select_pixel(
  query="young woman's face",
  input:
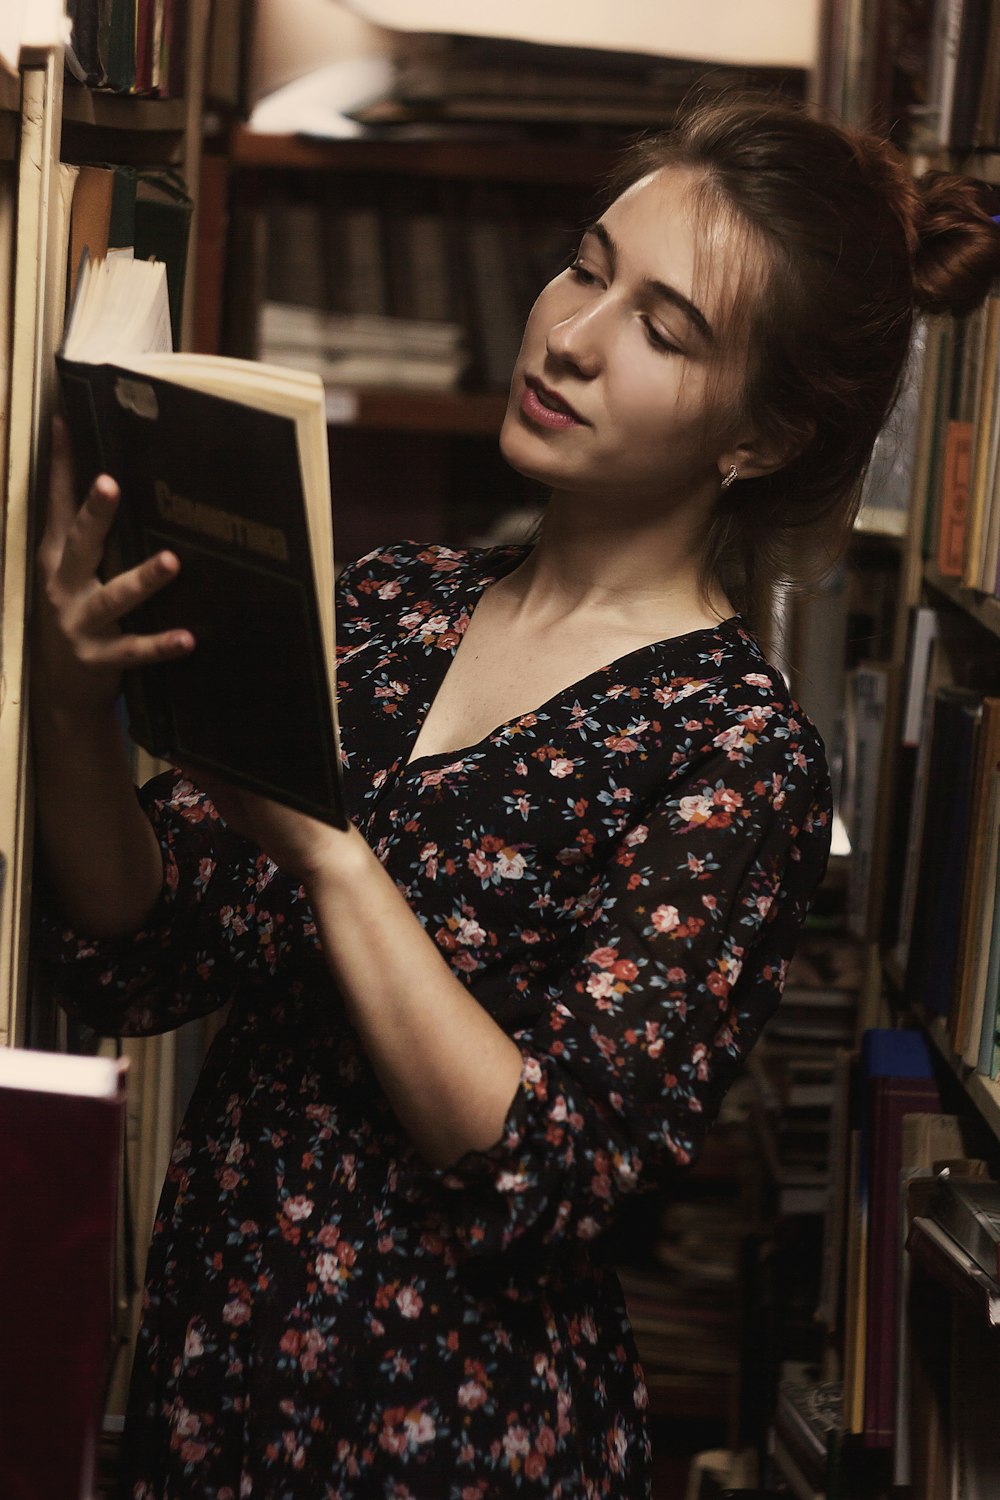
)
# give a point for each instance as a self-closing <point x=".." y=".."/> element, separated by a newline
<point x="627" y="368"/>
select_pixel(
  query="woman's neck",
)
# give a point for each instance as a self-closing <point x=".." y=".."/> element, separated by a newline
<point x="634" y="569"/>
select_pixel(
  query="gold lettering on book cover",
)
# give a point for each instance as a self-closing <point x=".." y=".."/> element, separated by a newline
<point x="210" y="520"/>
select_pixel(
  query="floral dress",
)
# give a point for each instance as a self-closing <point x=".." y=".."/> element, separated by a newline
<point x="618" y="877"/>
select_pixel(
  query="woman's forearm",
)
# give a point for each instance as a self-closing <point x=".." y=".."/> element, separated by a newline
<point x="102" y="857"/>
<point x="448" y="1069"/>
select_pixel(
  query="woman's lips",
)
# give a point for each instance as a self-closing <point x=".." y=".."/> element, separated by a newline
<point x="546" y="409"/>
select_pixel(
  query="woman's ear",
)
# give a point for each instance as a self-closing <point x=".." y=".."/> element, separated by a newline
<point x="759" y="456"/>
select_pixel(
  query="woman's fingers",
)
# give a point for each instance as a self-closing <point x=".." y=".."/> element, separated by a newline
<point x="120" y="595"/>
<point x="86" y="537"/>
<point x="123" y="651"/>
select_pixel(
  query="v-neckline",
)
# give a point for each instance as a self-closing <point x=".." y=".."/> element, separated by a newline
<point x="474" y="593"/>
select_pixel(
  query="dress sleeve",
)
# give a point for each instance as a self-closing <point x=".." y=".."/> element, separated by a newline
<point x="215" y="924"/>
<point x="636" y="1044"/>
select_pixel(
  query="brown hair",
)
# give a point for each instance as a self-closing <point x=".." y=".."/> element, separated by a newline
<point x="853" y="246"/>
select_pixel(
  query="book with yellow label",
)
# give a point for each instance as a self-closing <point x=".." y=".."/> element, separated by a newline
<point x="223" y="462"/>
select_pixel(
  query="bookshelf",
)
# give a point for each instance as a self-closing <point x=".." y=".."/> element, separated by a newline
<point x="882" y="65"/>
<point x="982" y="608"/>
<point x="45" y="117"/>
<point x="48" y="127"/>
<point x="425" y="156"/>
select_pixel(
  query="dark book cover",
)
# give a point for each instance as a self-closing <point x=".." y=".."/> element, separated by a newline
<point x="968" y="1209"/>
<point x="161" y="228"/>
<point x="83" y="53"/>
<point x="59" y="1170"/>
<point x="937" y="910"/>
<point x="121" y="46"/>
<point x="890" y="1099"/>
<point x="972" y="44"/>
<point x="218" y="483"/>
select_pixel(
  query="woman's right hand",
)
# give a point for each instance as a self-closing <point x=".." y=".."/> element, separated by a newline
<point x="80" y="648"/>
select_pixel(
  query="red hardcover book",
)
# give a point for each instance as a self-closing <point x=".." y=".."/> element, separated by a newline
<point x="61" y="1127"/>
<point x="890" y="1100"/>
<point x="955" y="479"/>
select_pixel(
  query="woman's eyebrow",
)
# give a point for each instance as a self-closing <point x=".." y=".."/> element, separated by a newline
<point x="659" y="288"/>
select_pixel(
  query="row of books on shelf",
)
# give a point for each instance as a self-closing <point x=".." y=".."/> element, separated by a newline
<point x="928" y="70"/>
<point x="397" y="283"/>
<point x="910" y="1289"/>
<point x="128" y="46"/>
<point x="958" y="470"/>
<point x="483" y="79"/>
<point x="793" y="1068"/>
<point x="921" y="800"/>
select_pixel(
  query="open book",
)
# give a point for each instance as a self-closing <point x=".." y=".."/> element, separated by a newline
<point x="224" y="462"/>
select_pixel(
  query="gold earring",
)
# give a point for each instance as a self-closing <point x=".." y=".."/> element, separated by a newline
<point x="733" y="474"/>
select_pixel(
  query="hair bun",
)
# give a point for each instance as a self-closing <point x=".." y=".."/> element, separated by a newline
<point x="957" y="244"/>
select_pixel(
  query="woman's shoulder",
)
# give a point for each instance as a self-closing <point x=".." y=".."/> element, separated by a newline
<point x="725" y="694"/>
<point x="411" y="564"/>
<point x="392" y="582"/>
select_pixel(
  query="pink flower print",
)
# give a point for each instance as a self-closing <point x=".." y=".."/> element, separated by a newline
<point x="637" y="835"/>
<point x="194" y="1345"/>
<point x="515" y="1443"/>
<point x="696" y="808"/>
<point x="409" y="1302"/>
<point x="389" y="590"/>
<point x="328" y="1268"/>
<point x="435" y="778"/>
<point x="420" y="1427"/>
<point x="187" y="1423"/>
<point x="665" y="919"/>
<point x="470" y="932"/>
<point x="235" y="1312"/>
<point x="603" y="957"/>
<point x="299" y="1207"/>
<point x="480" y="865"/>
<point x="757" y="679"/>
<point x="510" y="865"/>
<point x="600" y="985"/>
<point x="471" y="1394"/>
<point x="561" y="767"/>
<point x="623" y="743"/>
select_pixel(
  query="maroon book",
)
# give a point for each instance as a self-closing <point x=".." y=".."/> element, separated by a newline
<point x="890" y="1100"/>
<point x="60" y="1152"/>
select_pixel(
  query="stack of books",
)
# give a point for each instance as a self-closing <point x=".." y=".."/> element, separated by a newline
<point x="363" y="349"/>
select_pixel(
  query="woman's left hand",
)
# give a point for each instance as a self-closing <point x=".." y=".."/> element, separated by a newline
<point x="298" y="844"/>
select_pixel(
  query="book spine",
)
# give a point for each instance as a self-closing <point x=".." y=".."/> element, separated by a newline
<point x="955" y="481"/>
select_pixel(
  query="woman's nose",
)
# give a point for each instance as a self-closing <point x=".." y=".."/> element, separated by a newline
<point x="574" y="341"/>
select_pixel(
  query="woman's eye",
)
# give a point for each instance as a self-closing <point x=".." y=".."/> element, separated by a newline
<point x="657" y="339"/>
<point x="585" y="277"/>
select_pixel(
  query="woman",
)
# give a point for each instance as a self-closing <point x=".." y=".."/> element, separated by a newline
<point x="588" y="823"/>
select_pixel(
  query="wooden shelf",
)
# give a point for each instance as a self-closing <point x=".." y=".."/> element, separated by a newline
<point x="981" y="607"/>
<point x="85" y="106"/>
<point x="397" y="409"/>
<point x="431" y="156"/>
<point x="983" y="164"/>
<point x="983" y="1092"/>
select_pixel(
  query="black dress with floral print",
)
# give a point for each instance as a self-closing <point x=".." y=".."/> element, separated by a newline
<point x="618" y="877"/>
